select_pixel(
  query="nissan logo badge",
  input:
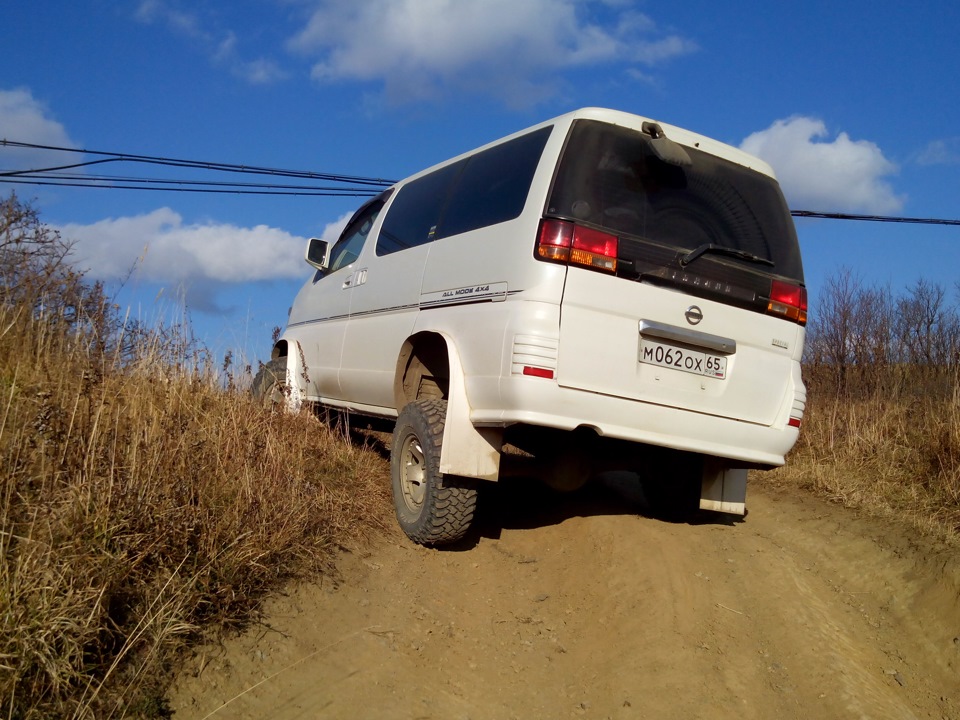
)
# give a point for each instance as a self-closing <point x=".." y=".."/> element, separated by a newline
<point x="693" y="315"/>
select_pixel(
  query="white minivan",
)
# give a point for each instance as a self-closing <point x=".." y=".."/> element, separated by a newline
<point x="600" y="291"/>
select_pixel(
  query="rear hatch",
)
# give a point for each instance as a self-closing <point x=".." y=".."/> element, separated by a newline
<point x="687" y="288"/>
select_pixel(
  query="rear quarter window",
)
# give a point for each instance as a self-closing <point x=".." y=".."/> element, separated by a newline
<point x="484" y="189"/>
<point x="494" y="185"/>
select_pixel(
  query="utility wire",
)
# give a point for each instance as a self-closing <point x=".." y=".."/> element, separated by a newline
<point x="179" y="162"/>
<point x="368" y="186"/>
<point x="872" y="218"/>
<point x="181" y="185"/>
<point x="345" y="192"/>
<point x="71" y="177"/>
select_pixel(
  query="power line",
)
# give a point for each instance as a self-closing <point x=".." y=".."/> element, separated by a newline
<point x="345" y="192"/>
<point x="872" y="218"/>
<point x="182" y="185"/>
<point x="111" y="157"/>
<point x="355" y="185"/>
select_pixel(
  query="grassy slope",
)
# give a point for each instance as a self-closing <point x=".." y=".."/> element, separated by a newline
<point x="142" y="504"/>
<point x="889" y="446"/>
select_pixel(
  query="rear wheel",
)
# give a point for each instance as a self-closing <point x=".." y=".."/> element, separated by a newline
<point x="671" y="484"/>
<point x="432" y="508"/>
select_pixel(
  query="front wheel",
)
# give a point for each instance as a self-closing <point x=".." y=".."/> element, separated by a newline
<point x="432" y="508"/>
<point x="270" y="384"/>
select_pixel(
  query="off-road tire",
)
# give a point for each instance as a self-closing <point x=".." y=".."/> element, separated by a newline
<point x="269" y="385"/>
<point x="432" y="508"/>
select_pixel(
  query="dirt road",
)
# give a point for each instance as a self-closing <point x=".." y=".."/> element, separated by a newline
<point x="580" y="605"/>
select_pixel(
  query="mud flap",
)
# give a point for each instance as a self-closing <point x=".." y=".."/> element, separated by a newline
<point x="723" y="489"/>
<point x="466" y="450"/>
<point x="296" y="377"/>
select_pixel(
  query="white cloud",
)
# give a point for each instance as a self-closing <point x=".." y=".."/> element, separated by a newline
<point x="940" y="152"/>
<point x="181" y="22"/>
<point x="841" y="175"/>
<point x="332" y="230"/>
<point x="25" y="119"/>
<point x="504" y="48"/>
<point x="222" y="45"/>
<point x="160" y="247"/>
<point x="258" y="72"/>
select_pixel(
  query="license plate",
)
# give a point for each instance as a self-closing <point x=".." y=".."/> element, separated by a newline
<point x="691" y="361"/>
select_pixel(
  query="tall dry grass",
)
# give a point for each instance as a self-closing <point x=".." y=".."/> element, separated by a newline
<point x="882" y="425"/>
<point x="142" y="502"/>
<point x="896" y="456"/>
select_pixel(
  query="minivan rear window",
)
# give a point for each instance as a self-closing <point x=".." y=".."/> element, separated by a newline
<point x="609" y="177"/>
<point x="484" y="189"/>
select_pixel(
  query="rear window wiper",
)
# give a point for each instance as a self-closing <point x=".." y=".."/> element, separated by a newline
<point x="723" y="250"/>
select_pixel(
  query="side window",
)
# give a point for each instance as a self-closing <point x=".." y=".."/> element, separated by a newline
<point x="348" y="247"/>
<point x="484" y="189"/>
<point x="493" y="188"/>
<point x="413" y="216"/>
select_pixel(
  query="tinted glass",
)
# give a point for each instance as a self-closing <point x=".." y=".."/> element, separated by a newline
<point x="354" y="235"/>
<point x="494" y="185"/>
<point x="412" y="219"/>
<point x="609" y="177"/>
<point x="487" y="188"/>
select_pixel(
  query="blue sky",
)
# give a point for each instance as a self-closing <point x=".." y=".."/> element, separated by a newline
<point x="854" y="104"/>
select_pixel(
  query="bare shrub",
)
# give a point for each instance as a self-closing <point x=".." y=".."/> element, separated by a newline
<point x="882" y="425"/>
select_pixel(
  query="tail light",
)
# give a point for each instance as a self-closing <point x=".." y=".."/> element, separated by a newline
<point x="568" y="243"/>
<point x="788" y="301"/>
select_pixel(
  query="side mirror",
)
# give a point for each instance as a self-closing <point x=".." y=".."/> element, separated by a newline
<point x="316" y="254"/>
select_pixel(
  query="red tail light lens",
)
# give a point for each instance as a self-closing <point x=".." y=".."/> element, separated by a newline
<point x="788" y="301"/>
<point x="595" y="249"/>
<point x="555" y="240"/>
<point x="565" y="242"/>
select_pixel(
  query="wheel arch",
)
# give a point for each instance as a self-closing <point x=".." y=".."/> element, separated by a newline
<point x="423" y="368"/>
<point x="429" y="366"/>
<point x="297" y="372"/>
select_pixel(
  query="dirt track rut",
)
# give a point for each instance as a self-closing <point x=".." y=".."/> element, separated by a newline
<point x="582" y="606"/>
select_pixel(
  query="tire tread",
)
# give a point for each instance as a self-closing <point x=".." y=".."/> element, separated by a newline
<point x="451" y="502"/>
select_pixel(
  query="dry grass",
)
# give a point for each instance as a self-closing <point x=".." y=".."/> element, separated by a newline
<point x="142" y="504"/>
<point x="887" y="443"/>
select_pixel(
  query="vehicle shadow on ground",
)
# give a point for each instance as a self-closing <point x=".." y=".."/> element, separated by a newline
<point x="519" y="503"/>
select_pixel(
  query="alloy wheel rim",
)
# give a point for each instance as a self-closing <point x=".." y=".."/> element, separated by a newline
<point x="412" y="473"/>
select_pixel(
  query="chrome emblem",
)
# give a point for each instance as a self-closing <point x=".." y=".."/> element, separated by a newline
<point x="693" y="315"/>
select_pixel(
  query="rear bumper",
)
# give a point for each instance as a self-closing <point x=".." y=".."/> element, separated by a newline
<point x="542" y="402"/>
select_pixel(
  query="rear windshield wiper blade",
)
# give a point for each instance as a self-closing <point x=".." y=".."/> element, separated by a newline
<point x="723" y="250"/>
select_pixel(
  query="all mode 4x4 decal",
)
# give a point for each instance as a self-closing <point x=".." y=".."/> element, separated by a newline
<point x="470" y="293"/>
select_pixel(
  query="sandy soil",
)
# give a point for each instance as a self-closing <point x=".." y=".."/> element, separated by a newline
<point x="584" y="606"/>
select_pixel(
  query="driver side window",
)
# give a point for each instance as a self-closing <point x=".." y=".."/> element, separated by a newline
<point x="347" y="248"/>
